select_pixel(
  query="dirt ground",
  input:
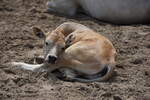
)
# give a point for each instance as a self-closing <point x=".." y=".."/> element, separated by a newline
<point x="132" y="80"/>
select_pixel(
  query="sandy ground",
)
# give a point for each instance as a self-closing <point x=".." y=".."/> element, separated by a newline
<point x="132" y="80"/>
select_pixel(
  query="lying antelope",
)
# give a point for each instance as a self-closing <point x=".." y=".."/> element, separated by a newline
<point x="116" y="11"/>
<point x="76" y="51"/>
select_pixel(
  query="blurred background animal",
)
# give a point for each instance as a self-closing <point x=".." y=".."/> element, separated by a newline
<point x="116" y="11"/>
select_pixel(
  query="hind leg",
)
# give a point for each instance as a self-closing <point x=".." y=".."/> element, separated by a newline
<point x="31" y="67"/>
<point x="66" y="7"/>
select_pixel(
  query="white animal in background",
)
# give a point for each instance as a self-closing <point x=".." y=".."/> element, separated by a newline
<point x="114" y="11"/>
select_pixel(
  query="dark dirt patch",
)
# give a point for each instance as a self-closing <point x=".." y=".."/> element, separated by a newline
<point x="16" y="41"/>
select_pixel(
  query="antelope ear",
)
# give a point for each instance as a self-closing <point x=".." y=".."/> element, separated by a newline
<point x="38" y="32"/>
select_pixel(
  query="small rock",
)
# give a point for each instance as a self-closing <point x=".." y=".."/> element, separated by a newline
<point x="39" y="60"/>
<point x="147" y="72"/>
<point x="117" y="98"/>
<point x="107" y="94"/>
<point x="29" y="46"/>
<point x="120" y="66"/>
<point x="35" y="10"/>
<point x="42" y="16"/>
<point x="137" y="61"/>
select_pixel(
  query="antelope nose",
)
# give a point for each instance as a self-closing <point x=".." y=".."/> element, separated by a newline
<point x="52" y="59"/>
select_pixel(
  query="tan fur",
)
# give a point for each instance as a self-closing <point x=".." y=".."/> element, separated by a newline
<point x="87" y="52"/>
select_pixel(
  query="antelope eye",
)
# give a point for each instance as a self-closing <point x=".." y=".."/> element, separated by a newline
<point x="63" y="48"/>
